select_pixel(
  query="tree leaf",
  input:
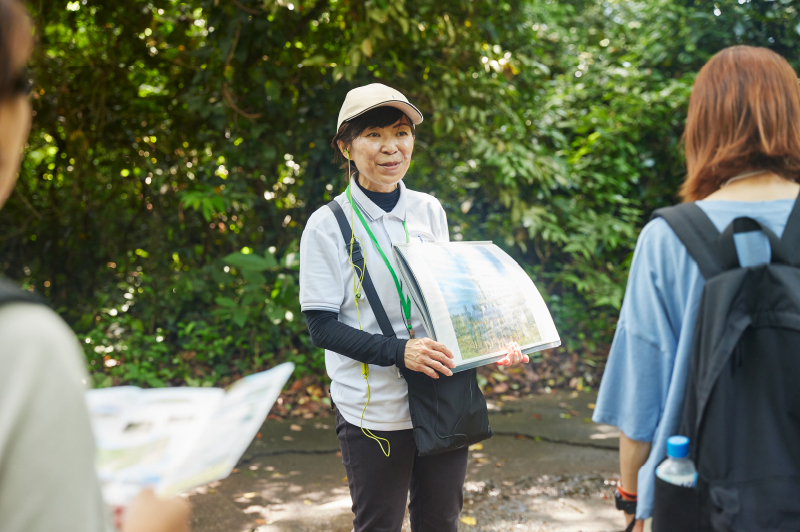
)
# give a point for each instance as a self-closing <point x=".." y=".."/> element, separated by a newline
<point x="225" y="302"/>
<point x="248" y="262"/>
<point x="239" y="317"/>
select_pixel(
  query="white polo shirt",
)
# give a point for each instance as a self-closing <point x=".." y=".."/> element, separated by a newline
<point x="326" y="283"/>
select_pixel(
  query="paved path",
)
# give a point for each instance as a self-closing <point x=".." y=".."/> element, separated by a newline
<point x="546" y="468"/>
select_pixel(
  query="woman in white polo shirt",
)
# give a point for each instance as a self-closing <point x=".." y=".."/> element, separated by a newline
<point x="375" y="140"/>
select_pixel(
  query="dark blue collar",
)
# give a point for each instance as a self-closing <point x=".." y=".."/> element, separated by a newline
<point x="384" y="200"/>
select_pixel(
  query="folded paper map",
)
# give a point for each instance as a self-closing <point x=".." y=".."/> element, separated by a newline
<point x="174" y="439"/>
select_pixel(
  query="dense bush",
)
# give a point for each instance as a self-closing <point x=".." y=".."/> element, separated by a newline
<point x="179" y="146"/>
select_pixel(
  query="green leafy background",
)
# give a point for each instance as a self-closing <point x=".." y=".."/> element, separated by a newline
<point x="179" y="146"/>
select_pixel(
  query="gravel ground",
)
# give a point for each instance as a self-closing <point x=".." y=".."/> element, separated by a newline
<point x="547" y="502"/>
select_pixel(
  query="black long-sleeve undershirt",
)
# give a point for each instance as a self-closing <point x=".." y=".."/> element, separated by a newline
<point x="329" y="333"/>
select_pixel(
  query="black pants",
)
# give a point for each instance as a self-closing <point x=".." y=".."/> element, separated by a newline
<point x="379" y="485"/>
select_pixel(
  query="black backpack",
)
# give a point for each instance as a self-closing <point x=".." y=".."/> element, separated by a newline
<point x="11" y="293"/>
<point x="742" y="404"/>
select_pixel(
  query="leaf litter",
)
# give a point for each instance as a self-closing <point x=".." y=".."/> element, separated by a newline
<point x="557" y="369"/>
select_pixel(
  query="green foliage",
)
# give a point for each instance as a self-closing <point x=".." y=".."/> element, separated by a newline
<point x="178" y="148"/>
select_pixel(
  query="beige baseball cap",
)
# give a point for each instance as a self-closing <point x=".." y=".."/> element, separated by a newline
<point x="362" y="99"/>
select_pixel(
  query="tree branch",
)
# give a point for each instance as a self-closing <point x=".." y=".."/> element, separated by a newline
<point x="229" y="99"/>
<point x="234" y="43"/>
<point x="27" y="204"/>
<point x="225" y="92"/>
<point x="244" y="8"/>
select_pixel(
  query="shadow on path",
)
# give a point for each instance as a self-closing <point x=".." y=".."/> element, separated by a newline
<point x="547" y="468"/>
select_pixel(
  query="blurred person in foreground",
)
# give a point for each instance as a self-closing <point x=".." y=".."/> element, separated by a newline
<point x="47" y="476"/>
<point x="742" y="144"/>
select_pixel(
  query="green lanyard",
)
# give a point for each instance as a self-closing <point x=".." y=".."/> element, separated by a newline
<point x="405" y="301"/>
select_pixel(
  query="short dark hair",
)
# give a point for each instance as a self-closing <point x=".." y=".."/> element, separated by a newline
<point x="350" y="130"/>
<point x="12" y="18"/>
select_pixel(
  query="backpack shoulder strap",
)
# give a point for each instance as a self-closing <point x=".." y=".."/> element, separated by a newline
<point x="358" y="259"/>
<point x="791" y="235"/>
<point x="697" y="232"/>
<point x="11" y="293"/>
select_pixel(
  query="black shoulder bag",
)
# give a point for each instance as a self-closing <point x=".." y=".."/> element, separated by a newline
<point x="447" y="413"/>
<point x="11" y="293"/>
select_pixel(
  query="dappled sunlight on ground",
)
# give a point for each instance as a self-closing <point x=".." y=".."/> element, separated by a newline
<point x="546" y="468"/>
<point x="605" y="432"/>
<point x="267" y="494"/>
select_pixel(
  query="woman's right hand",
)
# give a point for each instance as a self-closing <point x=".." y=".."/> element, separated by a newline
<point x="428" y="356"/>
<point x="148" y="513"/>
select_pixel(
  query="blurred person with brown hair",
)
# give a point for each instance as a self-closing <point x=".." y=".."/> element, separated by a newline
<point x="742" y="145"/>
<point x="47" y="476"/>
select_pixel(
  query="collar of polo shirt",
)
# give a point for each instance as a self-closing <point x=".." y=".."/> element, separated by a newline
<point x="372" y="211"/>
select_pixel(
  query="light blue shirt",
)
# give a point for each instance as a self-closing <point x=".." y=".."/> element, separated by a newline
<point x="643" y="386"/>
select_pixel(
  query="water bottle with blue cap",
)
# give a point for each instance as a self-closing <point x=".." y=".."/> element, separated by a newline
<point x="678" y="469"/>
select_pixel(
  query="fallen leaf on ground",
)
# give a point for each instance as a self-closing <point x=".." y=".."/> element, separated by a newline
<point x="574" y="413"/>
<point x="250" y="495"/>
<point x="591" y="405"/>
<point x="537" y="416"/>
<point x="499" y="464"/>
<point x="344" y="479"/>
<point x="482" y="460"/>
<point x="520" y="437"/>
<point x="476" y="447"/>
<point x="469" y="520"/>
<point x="500" y="388"/>
<point x="295" y="427"/>
<point x="307" y="502"/>
<point x="261" y="521"/>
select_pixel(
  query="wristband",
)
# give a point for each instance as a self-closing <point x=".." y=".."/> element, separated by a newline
<point x="628" y="496"/>
<point x="627" y="506"/>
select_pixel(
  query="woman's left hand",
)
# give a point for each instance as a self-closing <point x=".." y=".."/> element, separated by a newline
<point x="514" y="356"/>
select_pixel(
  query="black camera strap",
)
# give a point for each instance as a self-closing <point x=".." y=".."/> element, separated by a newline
<point x="11" y="293"/>
<point x="358" y="260"/>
